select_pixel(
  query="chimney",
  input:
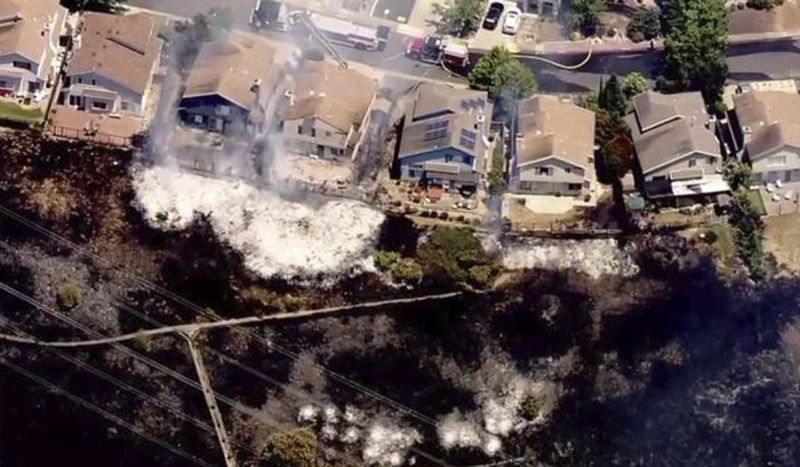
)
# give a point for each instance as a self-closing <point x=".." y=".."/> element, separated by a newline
<point x="289" y="95"/>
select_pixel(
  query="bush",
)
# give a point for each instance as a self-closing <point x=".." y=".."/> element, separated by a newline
<point x="68" y="296"/>
<point x="384" y="260"/>
<point x="761" y="4"/>
<point x="406" y="271"/>
<point x="294" y="448"/>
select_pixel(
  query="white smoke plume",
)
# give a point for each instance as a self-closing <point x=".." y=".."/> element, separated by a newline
<point x="388" y="445"/>
<point x="277" y="237"/>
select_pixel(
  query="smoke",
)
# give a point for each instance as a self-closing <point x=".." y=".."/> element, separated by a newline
<point x="388" y="445"/>
<point x="276" y="237"/>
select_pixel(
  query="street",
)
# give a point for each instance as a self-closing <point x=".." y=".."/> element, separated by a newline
<point x="769" y="59"/>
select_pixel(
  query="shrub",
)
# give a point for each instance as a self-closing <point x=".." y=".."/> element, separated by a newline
<point x="68" y="296"/>
<point x="645" y="25"/>
<point x="406" y="271"/>
<point x="294" y="448"/>
<point x="384" y="260"/>
<point x="761" y="4"/>
<point x="450" y="254"/>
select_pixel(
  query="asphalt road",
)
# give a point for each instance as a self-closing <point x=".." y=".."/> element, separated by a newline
<point x="778" y="59"/>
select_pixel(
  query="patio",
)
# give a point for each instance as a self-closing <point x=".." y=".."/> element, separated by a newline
<point x="118" y="130"/>
<point x="780" y="198"/>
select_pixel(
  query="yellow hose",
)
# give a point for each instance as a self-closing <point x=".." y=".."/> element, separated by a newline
<point x="559" y="65"/>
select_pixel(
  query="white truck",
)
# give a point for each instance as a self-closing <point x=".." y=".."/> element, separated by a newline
<point x="343" y="32"/>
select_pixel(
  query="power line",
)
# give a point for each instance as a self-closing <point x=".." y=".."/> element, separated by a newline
<point x="102" y="412"/>
<point x="214" y="316"/>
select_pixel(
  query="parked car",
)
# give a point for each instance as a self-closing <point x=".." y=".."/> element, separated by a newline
<point x="512" y="22"/>
<point x="493" y="16"/>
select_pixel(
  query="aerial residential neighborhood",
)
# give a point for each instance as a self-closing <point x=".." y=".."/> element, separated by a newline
<point x="317" y="233"/>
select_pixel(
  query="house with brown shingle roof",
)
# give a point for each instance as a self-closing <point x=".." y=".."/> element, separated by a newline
<point x="113" y="65"/>
<point x="677" y="150"/>
<point x="445" y="137"/>
<point x="229" y="85"/>
<point x="555" y="149"/>
<point x="769" y="127"/>
<point x="29" y="48"/>
<point x="326" y="110"/>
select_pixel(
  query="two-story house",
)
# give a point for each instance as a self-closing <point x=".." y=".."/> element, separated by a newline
<point x="769" y="129"/>
<point x="555" y="149"/>
<point x="444" y="140"/>
<point x="677" y="151"/>
<point x="229" y="85"/>
<point x="326" y="110"/>
<point x="115" y="59"/>
<point x="29" y="47"/>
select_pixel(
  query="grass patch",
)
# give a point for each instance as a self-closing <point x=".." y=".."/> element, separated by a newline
<point x="720" y="237"/>
<point x="497" y="181"/>
<point x="12" y="111"/>
<point x="757" y="201"/>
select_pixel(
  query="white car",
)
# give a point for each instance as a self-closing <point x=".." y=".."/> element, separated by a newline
<point x="512" y="22"/>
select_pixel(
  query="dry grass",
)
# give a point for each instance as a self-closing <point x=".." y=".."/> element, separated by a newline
<point x="749" y="21"/>
<point x="782" y="235"/>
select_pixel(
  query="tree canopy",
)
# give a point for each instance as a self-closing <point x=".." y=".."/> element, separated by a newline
<point x="584" y="15"/>
<point x="453" y="255"/>
<point x="459" y="18"/>
<point x="645" y="25"/>
<point x="615" y="147"/>
<point x="694" y="48"/>
<point x="632" y="84"/>
<point x="611" y="99"/>
<point x="503" y="76"/>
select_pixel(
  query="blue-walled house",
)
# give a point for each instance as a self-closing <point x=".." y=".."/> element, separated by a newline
<point x="228" y="86"/>
<point x="444" y="137"/>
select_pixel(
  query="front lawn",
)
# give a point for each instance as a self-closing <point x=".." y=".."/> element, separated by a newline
<point x="10" y="110"/>
<point x="757" y="201"/>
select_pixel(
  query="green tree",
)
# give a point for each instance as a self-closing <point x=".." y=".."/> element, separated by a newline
<point x="749" y="232"/>
<point x="615" y="147"/>
<point x="739" y="176"/>
<point x="645" y="25"/>
<point x="384" y="260"/>
<point x="584" y="15"/>
<point x="460" y="18"/>
<point x="407" y="271"/>
<point x="611" y="97"/>
<point x="91" y="5"/>
<point x="503" y="76"/>
<point x="450" y="254"/>
<point x="694" y="48"/>
<point x="294" y="448"/>
<point x="633" y="84"/>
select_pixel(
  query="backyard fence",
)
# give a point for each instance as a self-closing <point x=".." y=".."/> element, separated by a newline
<point x="96" y="137"/>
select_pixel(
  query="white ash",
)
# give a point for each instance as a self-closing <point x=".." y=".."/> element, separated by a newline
<point x="596" y="257"/>
<point x="387" y="445"/>
<point x="277" y="237"/>
<point x="307" y="414"/>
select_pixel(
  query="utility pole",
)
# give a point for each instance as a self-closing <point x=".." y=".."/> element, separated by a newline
<point x="211" y="401"/>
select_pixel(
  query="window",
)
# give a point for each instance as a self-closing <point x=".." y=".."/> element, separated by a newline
<point x="313" y="132"/>
<point x="711" y="160"/>
<point x="544" y="171"/>
<point x="223" y="110"/>
<point x="776" y="160"/>
<point x="658" y="178"/>
<point x="467" y="139"/>
<point x="280" y="126"/>
<point x="94" y="82"/>
<point x="692" y="162"/>
<point x="3" y="84"/>
<point x="197" y="119"/>
<point x="436" y="130"/>
<point x="412" y="173"/>
<point x="327" y="134"/>
<point x="23" y="65"/>
<point x="99" y="105"/>
<point x="525" y="186"/>
<point x="568" y="170"/>
<point x="299" y="129"/>
<point x="80" y="80"/>
<point x="574" y="186"/>
<point x="72" y="100"/>
<point x="123" y="105"/>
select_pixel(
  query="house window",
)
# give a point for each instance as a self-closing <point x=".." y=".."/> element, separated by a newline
<point x="574" y="186"/>
<point x="313" y="132"/>
<point x="776" y="160"/>
<point x="94" y="82"/>
<point x="327" y="134"/>
<point x="80" y="80"/>
<point x="299" y="129"/>
<point x="525" y="186"/>
<point x="223" y="110"/>
<point x="568" y="170"/>
<point x="544" y="171"/>
<point x="3" y="84"/>
<point x="72" y="100"/>
<point x="658" y="178"/>
<point x="412" y="173"/>
<point x="23" y="65"/>
<point x="123" y="105"/>
<point x="280" y="126"/>
<point x="197" y="119"/>
<point x="692" y="162"/>
<point x="711" y="160"/>
<point x="99" y="105"/>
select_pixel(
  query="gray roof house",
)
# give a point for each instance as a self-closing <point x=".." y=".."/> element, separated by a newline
<point x="29" y="33"/>
<point x="769" y="123"/>
<point x="677" y="150"/>
<point x="444" y="136"/>
<point x="555" y="149"/>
